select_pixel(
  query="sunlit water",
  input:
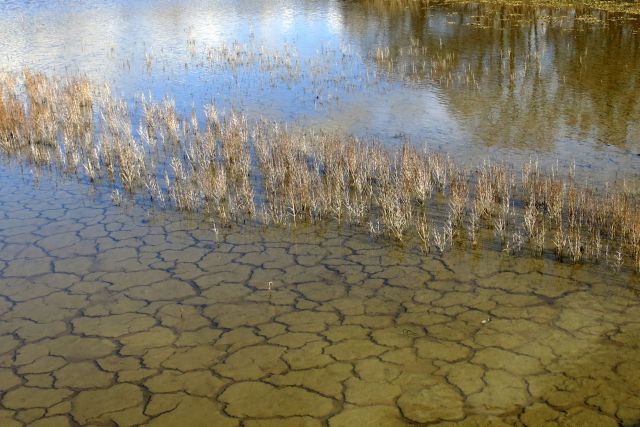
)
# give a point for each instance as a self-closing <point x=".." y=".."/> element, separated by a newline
<point x="517" y="82"/>
<point x="116" y="315"/>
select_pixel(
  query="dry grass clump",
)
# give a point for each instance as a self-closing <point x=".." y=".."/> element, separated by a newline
<point x="396" y="207"/>
<point x="292" y="187"/>
<point x="459" y="193"/>
<point x="233" y="171"/>
<point x="42" y="94"/>
<point x="123" y="154"/>
<point x="309" y="176"/>
<point x="12" y="115"/>
<point x="236" y="158"/>
<point x="39" y="114"/>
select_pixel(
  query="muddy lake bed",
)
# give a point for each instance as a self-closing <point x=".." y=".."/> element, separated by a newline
<point x="120" y="309"/>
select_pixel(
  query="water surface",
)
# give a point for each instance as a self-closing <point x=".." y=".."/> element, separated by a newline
<point x="111" y="315"/>
<point x="121" y="315"/>
<point x="472" y="80"/>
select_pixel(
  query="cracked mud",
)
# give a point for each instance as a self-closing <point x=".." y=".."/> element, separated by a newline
<point x="109" y="316"/>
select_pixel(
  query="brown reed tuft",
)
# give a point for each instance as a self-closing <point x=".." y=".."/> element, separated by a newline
<point x="233" y="170"/>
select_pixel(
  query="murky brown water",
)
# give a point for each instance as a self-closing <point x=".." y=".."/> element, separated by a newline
<point x="114" y="315"/>
<point x="109" y="315"/>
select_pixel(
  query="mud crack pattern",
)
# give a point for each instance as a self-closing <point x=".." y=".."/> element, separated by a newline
<point x="111" y="316"/>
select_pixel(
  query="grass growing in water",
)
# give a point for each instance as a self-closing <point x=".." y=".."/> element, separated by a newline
<point x="265" y="172"/>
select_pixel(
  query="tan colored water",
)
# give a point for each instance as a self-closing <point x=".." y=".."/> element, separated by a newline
<point x="112" y="316"/>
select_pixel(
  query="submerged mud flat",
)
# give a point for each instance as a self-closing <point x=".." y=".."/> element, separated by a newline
<point x="111" y="315"/>
<point x="135" y="314"/>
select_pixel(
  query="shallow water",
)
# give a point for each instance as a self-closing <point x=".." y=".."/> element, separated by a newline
<point x="124" y="315"/>
<point x="516" y="81"/>
<point x="112" y="315"/>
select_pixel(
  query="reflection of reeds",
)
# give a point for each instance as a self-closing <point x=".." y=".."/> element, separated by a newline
<point x="232" y="170"/>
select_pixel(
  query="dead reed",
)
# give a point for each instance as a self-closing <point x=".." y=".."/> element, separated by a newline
<point x="265" y="172"/>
